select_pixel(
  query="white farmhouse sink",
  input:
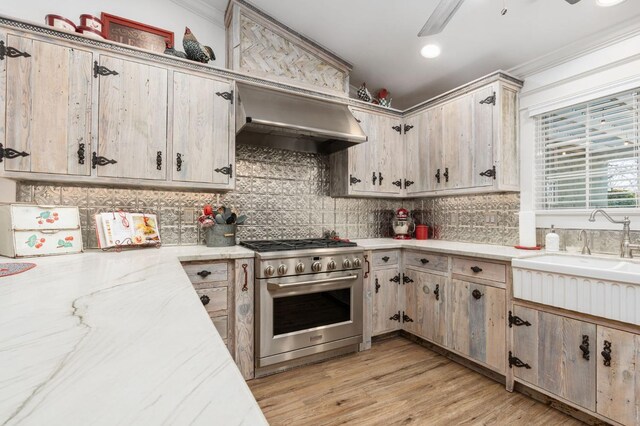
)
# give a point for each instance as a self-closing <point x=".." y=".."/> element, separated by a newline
<point x="604" y="287"/>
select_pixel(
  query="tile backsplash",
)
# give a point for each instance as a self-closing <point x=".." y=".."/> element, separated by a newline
<point x="600" y="241"/>
<point x="285" y="194"/>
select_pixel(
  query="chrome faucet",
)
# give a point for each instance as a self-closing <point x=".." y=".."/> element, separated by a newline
<point x="585" y="246"/>
<point x="626" y="248"/>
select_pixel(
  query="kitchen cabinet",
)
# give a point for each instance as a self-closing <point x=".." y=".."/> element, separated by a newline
<point x="476" y="322"/>
<point x="45" y="105"/>
<point x="424" y="302"/>
<point x="556" y="353"/>
<point x="203" y="147"/>
<point x="464" y="143"/>
<point x="132" y="123"/>
<point x="225" y="289"/>
<point x="618" y="375"/>
<point x="372" y="168"/>
<point x="386" y="313"/>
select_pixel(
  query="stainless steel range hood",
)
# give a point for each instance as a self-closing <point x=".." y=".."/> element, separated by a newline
<point x="295" y="122"/>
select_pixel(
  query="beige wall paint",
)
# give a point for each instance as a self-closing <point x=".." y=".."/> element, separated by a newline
<point x="7" y="190"/>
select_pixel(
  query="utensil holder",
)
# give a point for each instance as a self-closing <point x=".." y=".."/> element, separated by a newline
<point x="221" y="235"/>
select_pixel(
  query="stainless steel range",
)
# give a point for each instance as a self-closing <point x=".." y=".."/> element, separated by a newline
<point x="308" y="301"/>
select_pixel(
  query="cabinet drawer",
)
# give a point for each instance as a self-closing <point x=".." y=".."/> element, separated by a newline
<point x="433" y="262"/>
<point x="385" y="258"/>
<point x="479" y="269"/>
<point x="214" y="300"/>
<point x="44" y="217"/>
<point x="221" y="324"/>
<point x="47" y="242"/>
<point x="200" y="273"/>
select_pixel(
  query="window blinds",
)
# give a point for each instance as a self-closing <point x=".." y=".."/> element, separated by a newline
<point x="588" y="155"/>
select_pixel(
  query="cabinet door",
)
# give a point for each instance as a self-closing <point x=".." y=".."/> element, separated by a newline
<point x="552" y="346"/>
<point x="48" y="108"/>
<point x="619" y="380"/>
<point x="389" y="156"/>
<point x="477" y="325"/>
<point x="481" y="149"/>
<point x="457" y="139"/>
<point x="361" y="156"/>
<point x="415" y="147"/>
<point x="424" y="303"/>
<point x="385" y="300"/>
<point x="132" y="123"/>
<point x="435" y="149"/>
<point x="201" y="138"/>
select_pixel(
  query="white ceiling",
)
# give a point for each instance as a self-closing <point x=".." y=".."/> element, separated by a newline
<point x="379" y="37"/>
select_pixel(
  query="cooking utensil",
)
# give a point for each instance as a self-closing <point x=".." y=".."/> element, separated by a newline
<point x="220" y="220"/>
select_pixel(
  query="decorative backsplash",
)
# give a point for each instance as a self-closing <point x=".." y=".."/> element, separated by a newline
<point x="285" y="194"/>
<point x="600" y="241"/>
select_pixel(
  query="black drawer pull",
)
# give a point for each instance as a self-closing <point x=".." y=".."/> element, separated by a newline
<point x="377" y="285"/>
<point x="606" y="354"/>
<point x="584" y="347"/>
<point x="205" y="299"/>
<point x="204" y="273"/>
<point x="476" y="269"/>
<point x="424" y="261"/>
<point x="437" y="291"/>
<point x="385" y="258"/>
<point x="476" y="294"/>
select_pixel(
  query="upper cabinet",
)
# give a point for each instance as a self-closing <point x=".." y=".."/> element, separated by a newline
<point x="73" y="112"/>
<point x="46" y="110"/>
<point x="464" y="144"/>
<point x="373" y="168"/>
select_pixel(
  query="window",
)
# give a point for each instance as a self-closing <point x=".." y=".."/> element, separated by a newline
<point x="588" y="155"/>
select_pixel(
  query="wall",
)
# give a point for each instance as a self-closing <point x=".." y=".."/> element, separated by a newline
<point x="286" y="195"/>
<point x="159" y="13"/>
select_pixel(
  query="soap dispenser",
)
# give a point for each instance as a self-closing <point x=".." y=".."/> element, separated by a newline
<point x="552" y="241"/>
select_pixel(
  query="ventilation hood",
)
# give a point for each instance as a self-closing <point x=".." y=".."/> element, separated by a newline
<point x="295" y="122"/>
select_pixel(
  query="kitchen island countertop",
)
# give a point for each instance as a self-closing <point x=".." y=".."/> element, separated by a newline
<point x="116" y="338"/>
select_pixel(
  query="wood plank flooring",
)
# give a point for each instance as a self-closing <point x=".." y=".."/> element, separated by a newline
<point x="397" y="382"/>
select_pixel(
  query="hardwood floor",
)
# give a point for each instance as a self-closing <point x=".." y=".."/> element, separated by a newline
<point x="396" y="382"/>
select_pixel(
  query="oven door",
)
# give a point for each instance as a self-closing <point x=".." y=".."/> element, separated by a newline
<point x="304" y="311"/>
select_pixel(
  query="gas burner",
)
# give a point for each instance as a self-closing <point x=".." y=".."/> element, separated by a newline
<point x="287" y="245"/>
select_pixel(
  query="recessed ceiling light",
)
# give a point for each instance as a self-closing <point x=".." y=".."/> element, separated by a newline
<point x="430" y="51"/>
<point x="607" y="3"/>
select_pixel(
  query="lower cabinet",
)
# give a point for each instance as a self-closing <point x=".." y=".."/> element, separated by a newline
<point x="425" y="297"/>
<point x="589" y="365"/>
<point x="477" y="322"/>
<point x="225" y="289"/>
<point x="386" y="310"/>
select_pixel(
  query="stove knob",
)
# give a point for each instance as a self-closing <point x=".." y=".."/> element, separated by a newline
<point x="331" y="265"/>
<point x="357" y="263"/>
<point x="316" y="267"/>
<point x="346" y="264"/>
<point x="282" y="269"/>
<point x="268" y="271"/>
<point x="300" y="268"/>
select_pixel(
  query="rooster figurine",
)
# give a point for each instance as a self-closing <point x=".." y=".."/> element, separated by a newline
<point x="196" y="51"/>
<point x="173" y="52"/>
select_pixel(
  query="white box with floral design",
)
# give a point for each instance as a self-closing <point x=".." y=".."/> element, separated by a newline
<point x="32" y="230"/>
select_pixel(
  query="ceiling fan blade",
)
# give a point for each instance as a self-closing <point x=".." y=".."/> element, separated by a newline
<point x="572" y="1"/>
<point x="441" y="15"/>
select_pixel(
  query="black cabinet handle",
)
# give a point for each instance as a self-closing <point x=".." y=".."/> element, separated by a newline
<point x="204" y="273"/>
<point x="379" y="178"/>
<point x="397" y="183"/>
<point x="11" y="52"/>
<point x="366" y="260"/>
<point x="205" y="299"/>
<point x="377" y="285"/>
<point x="606" y="354"/>
<point x="437" y="291"/>
<point x="395" y="317"/>
<point x="424" y="261"/>
<point x="225" y="170"/>
<point x="97" y="160"/>
<point x="385" y="258"/>
<point x="353" y="180"/>
<point x="489" y="173"/>
<point x="101" y="70"/>
<point x="245" y="286"/>
<point x="408" y="183"/>
<point x="476" y="294"/>
<point x="80" y="153"/>
<point x="10" y="153"/>
<point x="476" y="269"/>
<point x="584" y="347"/>
<point x="159" y="160"/>
<point x="374" y="178"/>
<point x="178" y="162"/>
<point x="446" y="174"/>
<point x="438" y="175"/>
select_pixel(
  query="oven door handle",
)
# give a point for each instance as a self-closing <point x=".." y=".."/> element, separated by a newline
<point x="276" y="286"/>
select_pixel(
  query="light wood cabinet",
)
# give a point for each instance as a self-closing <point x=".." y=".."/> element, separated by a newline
<point x="424" y="303"/>
<point x="47" y="111"/>
<point x="202" y="141"/>
<point x="477" y="323"/>
<point x="465" y="143"/>
<point x="225" y="289"/>
<point x="132" y="123"/>
<point x="618" y="375"/>
<point x="386" y="300"/>
<point x="373" y="168"/>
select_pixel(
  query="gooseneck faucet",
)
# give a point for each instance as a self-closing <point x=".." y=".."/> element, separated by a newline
<point x="585" y="239"/>
<point x="626" y="248"/>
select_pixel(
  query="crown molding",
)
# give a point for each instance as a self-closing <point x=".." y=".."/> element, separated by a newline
<point x="610" y="36"/>
<point x="204" y="10"/>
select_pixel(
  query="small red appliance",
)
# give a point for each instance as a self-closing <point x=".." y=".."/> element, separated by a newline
<point x="403" y="226"/>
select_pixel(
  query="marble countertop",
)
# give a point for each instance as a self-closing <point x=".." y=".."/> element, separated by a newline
<point x="485" y="251"/>
<point x="116" y="338"/>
